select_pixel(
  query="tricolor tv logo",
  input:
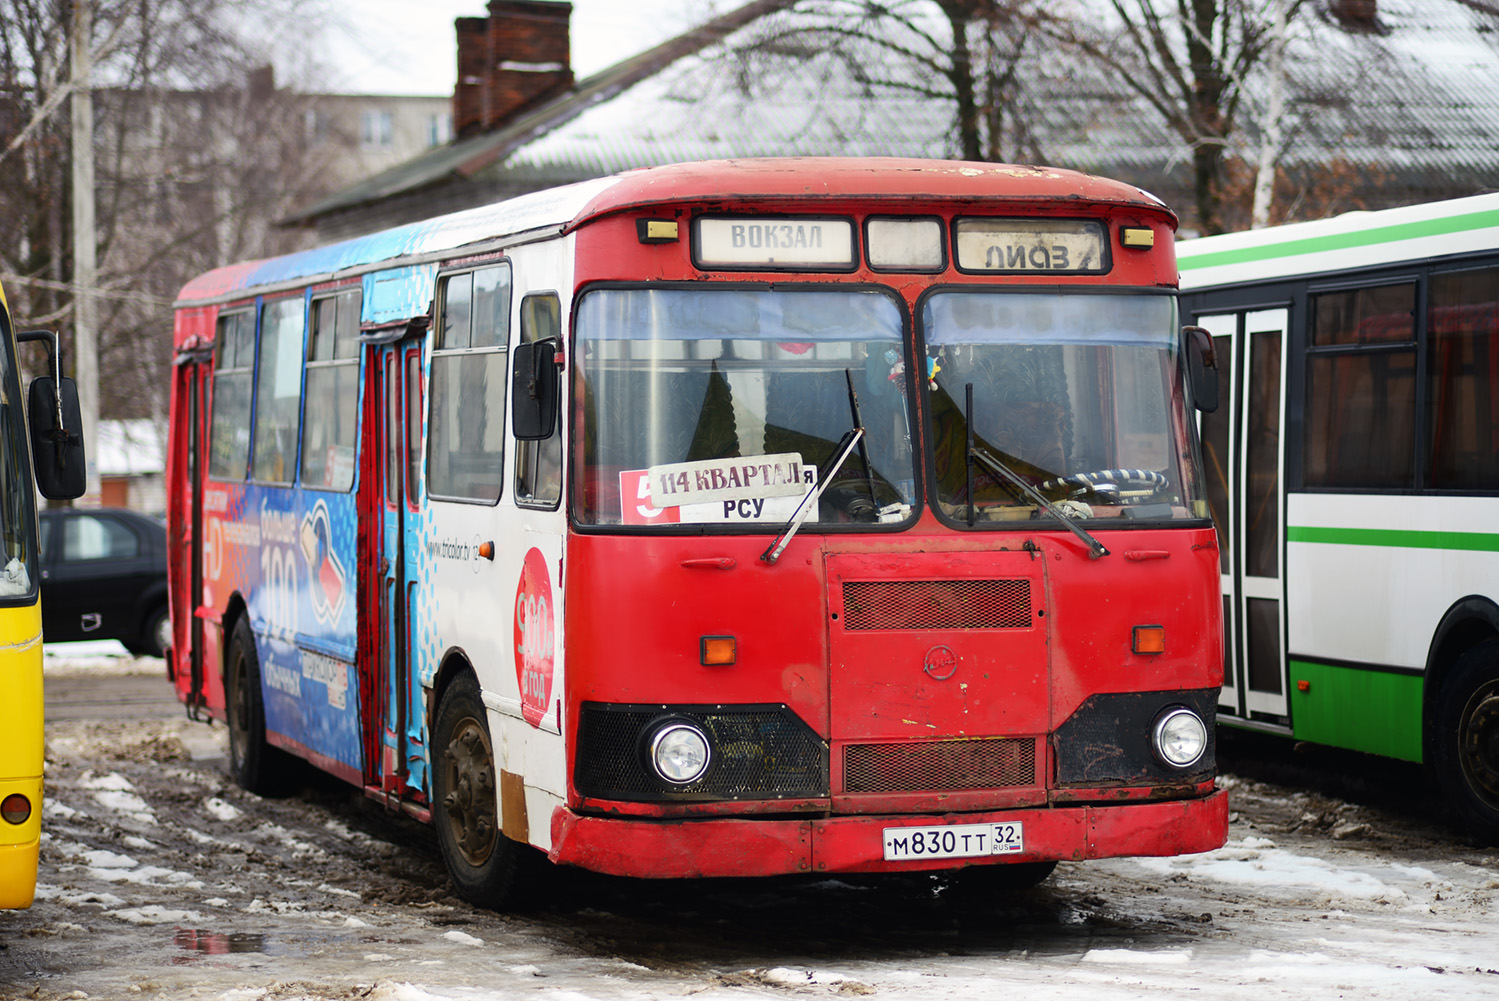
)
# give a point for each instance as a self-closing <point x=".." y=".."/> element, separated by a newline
<point x="325" y="573"/>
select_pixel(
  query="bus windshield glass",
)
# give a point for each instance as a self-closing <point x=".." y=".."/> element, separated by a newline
<point x="16" y="577"/>
<point x="1079" y="395"/>
<point x="715" y="407"/>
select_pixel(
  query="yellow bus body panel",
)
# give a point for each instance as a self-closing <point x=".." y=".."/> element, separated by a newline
<point x="21" y="750"/>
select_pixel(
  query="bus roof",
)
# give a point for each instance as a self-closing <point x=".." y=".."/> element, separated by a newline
<point x="557" y="210"/>
<point x="1353" y="240"/>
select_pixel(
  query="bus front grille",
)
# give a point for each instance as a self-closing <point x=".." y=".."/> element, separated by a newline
<point x="936" y="604"/>
<point x="940" y="765"/>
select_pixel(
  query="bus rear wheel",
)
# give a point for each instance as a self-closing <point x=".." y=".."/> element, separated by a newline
<point x="255" y="764"/>
<point x="488" y="869"/>
<point x="1466" y="753"/>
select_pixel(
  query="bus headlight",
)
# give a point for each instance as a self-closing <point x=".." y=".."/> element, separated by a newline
<point x="1179" y="737"/>
<point x="15" y="808"/>
<point x="680" y="753"/>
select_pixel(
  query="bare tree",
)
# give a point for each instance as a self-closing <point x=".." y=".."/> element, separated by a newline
<point x="196" y="152"/>
<point x="966" y="55"/>
<point x="1189" y="60"/>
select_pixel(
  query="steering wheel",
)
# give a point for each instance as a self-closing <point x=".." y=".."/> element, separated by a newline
<point x="1109" y="481"/>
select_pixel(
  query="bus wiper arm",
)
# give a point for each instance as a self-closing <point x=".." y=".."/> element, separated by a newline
<point x="989" y="462"/>
<point x="998" y="468"/>
<point x="825" y="476"/>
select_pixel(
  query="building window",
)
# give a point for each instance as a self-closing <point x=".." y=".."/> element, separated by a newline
<point x="376" y="130"/>
<point x="439" y="129"/>
<point x="316" y="126"/>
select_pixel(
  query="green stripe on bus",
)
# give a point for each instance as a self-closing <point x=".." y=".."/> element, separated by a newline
<point x="1345" y="241"/>
<point x="1486" y="542"/>
<point x="1378" y="712"/>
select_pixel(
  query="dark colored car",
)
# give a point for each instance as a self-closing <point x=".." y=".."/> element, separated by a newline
<point x="104" y="577"/>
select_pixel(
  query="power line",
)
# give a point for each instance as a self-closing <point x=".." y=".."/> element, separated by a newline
<point x="10" y="278"/>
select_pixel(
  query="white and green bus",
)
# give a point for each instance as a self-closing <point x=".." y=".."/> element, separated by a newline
<point x="1354" y="482"/>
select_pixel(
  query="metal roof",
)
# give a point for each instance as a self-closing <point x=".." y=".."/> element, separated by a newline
<point x="1411" y="99"/>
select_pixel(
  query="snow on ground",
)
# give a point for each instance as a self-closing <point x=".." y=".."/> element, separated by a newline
<point x="161" y="879"/>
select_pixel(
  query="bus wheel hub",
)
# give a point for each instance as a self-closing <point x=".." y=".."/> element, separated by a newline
<point x="1480" y="744"/>
<point x="470" y="803"/>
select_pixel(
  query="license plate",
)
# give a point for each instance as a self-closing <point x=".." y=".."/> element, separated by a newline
<point x="953" y="841"/>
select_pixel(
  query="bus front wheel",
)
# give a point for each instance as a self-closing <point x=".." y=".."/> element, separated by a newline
<point x="1466" y="752"/>
<point x="255" y="764"/>
<point x="488" y="869"/>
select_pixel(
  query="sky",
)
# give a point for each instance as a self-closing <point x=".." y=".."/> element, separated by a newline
<point x="408" y="46"/>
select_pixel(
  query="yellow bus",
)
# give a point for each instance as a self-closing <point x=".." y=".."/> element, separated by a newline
<point x="52" y="413"/>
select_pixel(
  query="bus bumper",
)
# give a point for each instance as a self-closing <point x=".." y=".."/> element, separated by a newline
<point x="18" y="874"/>
<point x="675" y="849"/>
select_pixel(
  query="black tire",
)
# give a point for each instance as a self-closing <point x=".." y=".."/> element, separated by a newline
<point x="978" y="881"/>
<point x="1465" y="735"/>
<point x="489" y="869"/>
<point x="255" y="764"/>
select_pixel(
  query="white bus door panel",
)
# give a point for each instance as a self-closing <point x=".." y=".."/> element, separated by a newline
<point x="1217" y="430"/>
<point x="1244" y="453"/>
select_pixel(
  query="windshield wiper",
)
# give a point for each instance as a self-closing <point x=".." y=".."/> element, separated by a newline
<point x="809" y="502"/>
<point x="993" y="465"/>
<point x="825" y="473"/>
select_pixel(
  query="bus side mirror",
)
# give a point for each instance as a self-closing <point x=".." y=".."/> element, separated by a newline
<point x="534" y="390"/>
<point x="56" y="449"/>
<point x="1202" y="368"/>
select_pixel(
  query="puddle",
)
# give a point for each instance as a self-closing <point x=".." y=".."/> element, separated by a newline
<point x="217" y="943"/>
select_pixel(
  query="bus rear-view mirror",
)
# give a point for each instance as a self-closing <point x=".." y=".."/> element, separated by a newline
<point x="57" y="438"/>
<point x="534" y="390"/>
<point x="1202" y="368"/>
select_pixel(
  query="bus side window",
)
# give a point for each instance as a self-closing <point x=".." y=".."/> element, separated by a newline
<point x="234" y="367"/>
<point x="1361" y="388"/>
<point x="278" y="390"/>
<point x="538" y="464"/>
<point x="328" y="425"/>
<point x="466" y="420"/>
<point x="1462" y="399"/>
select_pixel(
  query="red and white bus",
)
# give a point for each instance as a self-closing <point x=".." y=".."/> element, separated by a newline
<point x="717" y="519"/>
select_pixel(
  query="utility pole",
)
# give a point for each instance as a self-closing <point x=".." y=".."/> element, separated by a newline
<point x="85" y="245"/>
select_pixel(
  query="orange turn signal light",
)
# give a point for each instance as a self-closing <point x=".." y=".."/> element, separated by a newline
<point x="716" y="651"/>
<point x="1149" y="639"/>
<point x="486" y="550"/>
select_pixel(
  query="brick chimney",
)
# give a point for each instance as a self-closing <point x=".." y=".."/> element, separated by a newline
<point x="510" y="61"/>
<point x="1356" y="14"/>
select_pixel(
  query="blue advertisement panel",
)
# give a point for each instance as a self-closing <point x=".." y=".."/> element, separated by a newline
<point x="290" y="553"/>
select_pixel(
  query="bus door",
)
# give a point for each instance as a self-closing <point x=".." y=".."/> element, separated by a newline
<point x="401" y="733"/>
<point x="186" y="553"/>
<point x="1244" y="454"/>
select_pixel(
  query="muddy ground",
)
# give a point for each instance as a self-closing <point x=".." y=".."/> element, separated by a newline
<point x="1343" y="878"/>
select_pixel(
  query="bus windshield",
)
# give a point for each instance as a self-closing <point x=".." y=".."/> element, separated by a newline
<point x="1079" y="395"/>
<point x="689" y="376"/>
<point x="16" y="577"/>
